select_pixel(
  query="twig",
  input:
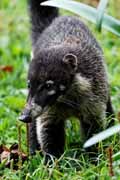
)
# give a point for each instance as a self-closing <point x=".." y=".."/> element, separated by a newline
<point x="119" y="116"/>
<point x="19" y="145"/>
<point x="110" y="152"/>
<point x="27" y="138"/>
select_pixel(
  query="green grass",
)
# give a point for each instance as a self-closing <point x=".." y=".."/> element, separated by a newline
<point x="15" y="47"/>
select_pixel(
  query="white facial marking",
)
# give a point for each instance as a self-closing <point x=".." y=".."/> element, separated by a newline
<point x="36" y="110"/>
<point x="52" y="92"/>
<point x="62" y="87"/>
<point x="49" y="82"/>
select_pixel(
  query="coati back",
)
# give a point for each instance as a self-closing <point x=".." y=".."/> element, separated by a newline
<point x="67" y="77"/>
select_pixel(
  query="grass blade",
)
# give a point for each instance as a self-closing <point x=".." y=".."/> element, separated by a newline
<point x="102" y="135"/>
<point x="116" y="156"/>
<point x="101" y="8"/>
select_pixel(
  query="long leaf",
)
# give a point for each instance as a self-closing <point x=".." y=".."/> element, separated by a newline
<point x="88" y="12"/>
<point x="100" y="14"/>
<point x="102" y="135"/>
<point x="116" y="156"/>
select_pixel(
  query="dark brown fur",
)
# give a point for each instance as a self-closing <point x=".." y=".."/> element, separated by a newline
<point x="64" y="53"/>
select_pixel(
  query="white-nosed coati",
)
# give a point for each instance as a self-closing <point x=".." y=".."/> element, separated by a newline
<point x="67" y="77"/>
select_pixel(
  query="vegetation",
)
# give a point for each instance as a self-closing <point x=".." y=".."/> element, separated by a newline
<point x="95" y="15"/>
<point x="15" y="50"/>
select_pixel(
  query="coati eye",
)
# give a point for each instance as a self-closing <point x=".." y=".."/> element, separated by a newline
<point x="49" y="84"/>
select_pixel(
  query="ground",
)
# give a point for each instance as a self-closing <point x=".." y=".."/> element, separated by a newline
<point x="15" y="47"/>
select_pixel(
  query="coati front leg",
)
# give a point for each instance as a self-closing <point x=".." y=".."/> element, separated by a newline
<point x="92" y="120"/>
<point x="33" y="142"/>
<point x="51" y="135"/>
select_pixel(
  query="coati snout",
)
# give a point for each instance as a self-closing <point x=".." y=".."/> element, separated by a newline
<point x="31" y="111"/>
<point x="45" y="90"/>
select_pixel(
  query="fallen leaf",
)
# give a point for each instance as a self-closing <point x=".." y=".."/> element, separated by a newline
<point x="6" y="68"/>
<point x="11" y="154"/>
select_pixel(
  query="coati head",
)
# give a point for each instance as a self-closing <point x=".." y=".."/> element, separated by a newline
<point x="50" y="75"/>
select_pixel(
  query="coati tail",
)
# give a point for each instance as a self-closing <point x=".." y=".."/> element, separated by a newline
<point x="40" y="17"/>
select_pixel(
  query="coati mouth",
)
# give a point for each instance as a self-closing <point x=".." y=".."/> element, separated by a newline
<point x="30" y="112"/>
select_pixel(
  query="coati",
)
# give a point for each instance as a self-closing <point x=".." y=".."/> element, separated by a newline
<point x="67" y="77"/>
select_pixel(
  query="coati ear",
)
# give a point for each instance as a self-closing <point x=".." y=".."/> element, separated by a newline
<point x="70" y="60"/>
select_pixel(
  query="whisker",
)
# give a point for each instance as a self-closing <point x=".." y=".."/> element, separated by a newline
<point x="70" y="103"/>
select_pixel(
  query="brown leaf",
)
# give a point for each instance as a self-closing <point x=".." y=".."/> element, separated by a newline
<point x="3" y="148"/>
<point x="11" y="154"/>
<point x="7" y="68"/>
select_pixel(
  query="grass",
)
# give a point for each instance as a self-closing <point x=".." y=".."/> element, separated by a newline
<point x="15" y="49"/>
